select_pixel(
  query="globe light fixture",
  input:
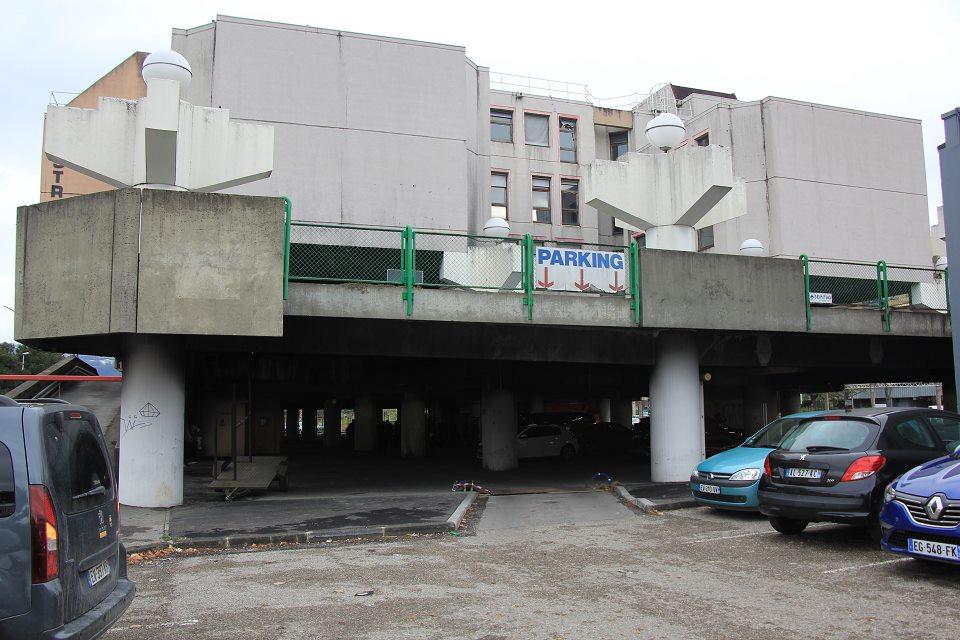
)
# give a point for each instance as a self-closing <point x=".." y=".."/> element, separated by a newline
<point x="751" y="247"/>
<point x="168" y="65"/>
<point x="666" y="131"/>
<point x="496" y="227"/>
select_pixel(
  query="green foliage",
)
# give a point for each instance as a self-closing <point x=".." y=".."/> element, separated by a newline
<point x="35" y="361"/>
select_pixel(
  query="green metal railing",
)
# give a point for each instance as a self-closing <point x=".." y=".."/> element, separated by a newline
<point x="870" y="285"/>
<point x="411" y="259"/>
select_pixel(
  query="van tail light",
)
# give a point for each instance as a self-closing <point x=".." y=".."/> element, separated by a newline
<point x="863" y="468"/>
<point x="767" y="471"/>
<point x="43" y="535"/>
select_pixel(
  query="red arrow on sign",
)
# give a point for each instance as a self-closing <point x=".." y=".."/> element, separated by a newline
<point x="583" y="286"/>
<point x="616" y="287"/>
<point x="545" y="283"/>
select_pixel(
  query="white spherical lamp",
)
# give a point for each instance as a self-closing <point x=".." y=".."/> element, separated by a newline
<point x="751" y="247"/>
<point x="941" y="263"/>
<point x="168" y="65"/>
<point x="666" y="131"/>
<point x="496" y="227"/>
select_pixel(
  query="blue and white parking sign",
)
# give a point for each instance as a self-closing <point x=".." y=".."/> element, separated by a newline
<point x="558" y="269"/>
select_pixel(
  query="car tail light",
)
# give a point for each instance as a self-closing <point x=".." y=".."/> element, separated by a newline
<point x="863" y="468"/>
<point x="43" y="535"/>
<point x="767" y="471"/>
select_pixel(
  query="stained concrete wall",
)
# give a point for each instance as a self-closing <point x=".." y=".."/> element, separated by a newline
<point x="690" y="290"/>
<point x="150" y="262"/>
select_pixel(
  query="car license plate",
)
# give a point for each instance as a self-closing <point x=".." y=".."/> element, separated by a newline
<point x="796" y="472"/>
<point x="98" y="573"/>
<point x="934" y="549"/>
<point x="709" y="488"/>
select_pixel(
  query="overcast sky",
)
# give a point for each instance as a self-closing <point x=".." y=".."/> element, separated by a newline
<point x="888" y="57"/>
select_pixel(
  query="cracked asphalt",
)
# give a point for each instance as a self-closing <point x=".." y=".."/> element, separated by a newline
<point x="556" y="566"/>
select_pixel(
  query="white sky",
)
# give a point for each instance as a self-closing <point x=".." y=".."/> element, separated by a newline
<point x="888" y="57"/>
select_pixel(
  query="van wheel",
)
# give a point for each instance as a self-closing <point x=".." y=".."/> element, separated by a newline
<point x="568" y="452"/>
<point x="788" y="526"/>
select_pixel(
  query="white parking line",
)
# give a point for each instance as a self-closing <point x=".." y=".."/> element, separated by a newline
<point x="701" y="539"/>
<point x="867" y="566"/>
<point x="158" y="625"/>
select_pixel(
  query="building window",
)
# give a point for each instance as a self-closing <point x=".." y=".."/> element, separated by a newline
<point x="568" y="140"/>
<point x="536" y="128"/>
<point x="704" y="238"/>
<point x="570" y="202"/>
<point x="541" y="199"/>
<point x="501" y="125"/>
<point x="618" y="144"/>
<point x="703" y="140"/>
<point x="498" y="195"/>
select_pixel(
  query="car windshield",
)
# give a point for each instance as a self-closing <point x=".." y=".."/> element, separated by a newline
<point x="819" y="436"/>
<point x="771" y="435"/>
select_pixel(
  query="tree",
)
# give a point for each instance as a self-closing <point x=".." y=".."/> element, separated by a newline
<point x="35" y="361"/>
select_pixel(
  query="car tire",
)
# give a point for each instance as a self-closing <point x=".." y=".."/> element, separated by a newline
<point x="788" y="526"/>
<point x="568" y="452"/>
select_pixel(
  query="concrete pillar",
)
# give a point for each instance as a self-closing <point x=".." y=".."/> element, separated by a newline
<point x="366" y="420"/>
<point x="151" y="423"/>
<point x="536" y="404"/>
<point x="621" y="411"/>
<point x="498" y="428"/>
<point x="673" y="236"/>
<point x="309" y="423"/>
<point x="760" y="405"/>
<point x="789" y="401"/>
<point x="413" y="427"/>
<point x="605" y="410"/>
<point x="331" y="424"/>
<point x="676" y="429"/>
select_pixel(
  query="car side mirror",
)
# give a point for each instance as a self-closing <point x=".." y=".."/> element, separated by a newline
<point x="956" y="452"/>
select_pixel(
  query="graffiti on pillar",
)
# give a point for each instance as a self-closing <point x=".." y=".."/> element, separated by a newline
<point x="139" y="420"/>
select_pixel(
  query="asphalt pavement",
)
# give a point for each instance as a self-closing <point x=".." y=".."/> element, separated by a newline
<point x="555" y="566"/>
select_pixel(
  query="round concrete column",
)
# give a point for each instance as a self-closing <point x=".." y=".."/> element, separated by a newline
<point x="413" y="427"/>
<point x="676" y="427"/>
<point x="366" y="420"/>
<point x="789" y="401"/>
<point x="621" y="411"/>
<point x="605" y="410"/>
<point x="674" y="236"/>
<point x="151" y="423"/>
<point x="331" y="424"/>
<point x="498" y="428"/>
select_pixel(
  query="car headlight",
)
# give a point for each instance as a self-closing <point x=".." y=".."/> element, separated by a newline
<point x="889" y="493"/>
<point x="747" y="474"/>
<point x="695" y="472"/>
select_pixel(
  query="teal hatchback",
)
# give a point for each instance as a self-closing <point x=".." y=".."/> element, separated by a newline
<point x="729" y="479"/>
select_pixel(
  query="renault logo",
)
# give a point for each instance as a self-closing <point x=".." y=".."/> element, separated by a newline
<point x="934" y="507"/>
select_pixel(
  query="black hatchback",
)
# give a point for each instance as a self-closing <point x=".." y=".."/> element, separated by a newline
<point x="834" y="468"/>
<point x="63" y="571"/>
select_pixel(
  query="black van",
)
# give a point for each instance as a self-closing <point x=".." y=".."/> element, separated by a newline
<point x="64" y="571"/>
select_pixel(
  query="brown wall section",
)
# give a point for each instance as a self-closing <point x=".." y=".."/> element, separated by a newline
<point x="124" y="81"/>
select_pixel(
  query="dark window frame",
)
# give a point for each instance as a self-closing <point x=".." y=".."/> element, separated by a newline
<point x="615" y="144"/>
<point x="702" y="140"/>
<point x="564" y="182"/>
<point x="506" y="193"/>
<point x="536" y="114"/>
<point x="504" y="112"/>
<point x="575" y="122"/>
<point x="535" y="210"/>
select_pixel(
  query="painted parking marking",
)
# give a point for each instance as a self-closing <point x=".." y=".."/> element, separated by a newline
<point x="700" y="539"/>
<point x="158" y="625"/>
<point x="857" y="567"/>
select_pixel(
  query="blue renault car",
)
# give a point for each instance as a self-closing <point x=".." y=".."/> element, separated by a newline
<point x="729" y="479"/>
<point x="921" y="511"/>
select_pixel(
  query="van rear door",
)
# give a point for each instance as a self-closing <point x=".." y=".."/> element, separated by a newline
<point x="85" y="496"/>
<point x="14" y="516"/>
